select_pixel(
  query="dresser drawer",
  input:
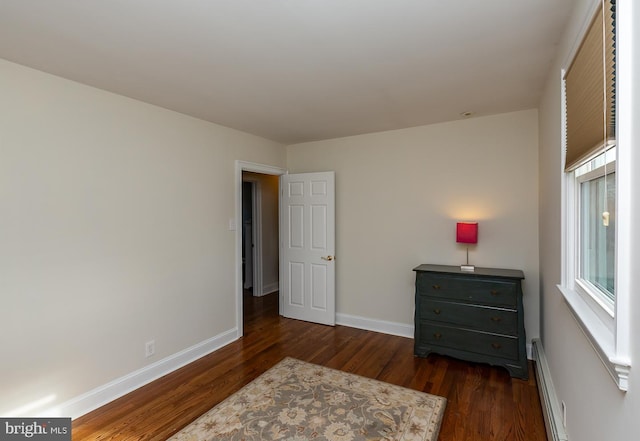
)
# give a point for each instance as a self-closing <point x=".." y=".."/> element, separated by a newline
<point x="488" y="292"/>
<point x="499" y="346"/>
<point x="483" y="318"/>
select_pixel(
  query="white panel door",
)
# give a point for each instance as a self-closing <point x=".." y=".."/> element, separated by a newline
<point x="307" y="249"/>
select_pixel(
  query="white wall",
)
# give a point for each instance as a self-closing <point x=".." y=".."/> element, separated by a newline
<point x="114" y="230"/>
<point x="400" y="193"/>
<point x="596" y="408"/>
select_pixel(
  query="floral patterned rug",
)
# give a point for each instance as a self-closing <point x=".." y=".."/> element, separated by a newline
<point x="298" y="401"/>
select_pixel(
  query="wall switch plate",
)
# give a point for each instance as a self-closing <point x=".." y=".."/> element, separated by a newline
<point x="232" y="224"/>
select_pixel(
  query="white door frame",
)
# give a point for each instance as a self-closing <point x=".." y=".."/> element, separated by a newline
<point x="256" y="168"/>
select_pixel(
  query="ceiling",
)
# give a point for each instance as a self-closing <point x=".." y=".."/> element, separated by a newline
<point x="297" y="70"/>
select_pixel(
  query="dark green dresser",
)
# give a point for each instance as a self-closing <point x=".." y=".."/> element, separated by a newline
<point x="475" y="316"/>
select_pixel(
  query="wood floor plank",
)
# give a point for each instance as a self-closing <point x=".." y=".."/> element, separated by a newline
<point x="484" y="403"/>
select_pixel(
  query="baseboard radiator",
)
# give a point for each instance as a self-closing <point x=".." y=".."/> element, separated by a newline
<point x="548" y="398"/>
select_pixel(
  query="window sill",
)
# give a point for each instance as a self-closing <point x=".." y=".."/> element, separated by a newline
<point x="600" y="336"/>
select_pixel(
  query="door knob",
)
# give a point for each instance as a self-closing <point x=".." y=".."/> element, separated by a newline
<point x="329" y="258"/>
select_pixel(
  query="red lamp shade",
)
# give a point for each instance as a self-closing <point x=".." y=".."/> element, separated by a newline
<point x="467" y="232"/>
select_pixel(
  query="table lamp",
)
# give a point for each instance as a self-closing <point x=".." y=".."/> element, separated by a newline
<point x="467" y="232"/>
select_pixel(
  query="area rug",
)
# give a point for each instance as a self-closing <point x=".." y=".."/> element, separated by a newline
<point x="298" y="401"/>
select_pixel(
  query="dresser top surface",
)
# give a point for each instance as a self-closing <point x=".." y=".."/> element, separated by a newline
<point x="479" y="271"/>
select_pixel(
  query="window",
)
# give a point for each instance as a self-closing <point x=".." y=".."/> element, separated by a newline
<point x="596" y="214"/>
<point x="596" y="191"/>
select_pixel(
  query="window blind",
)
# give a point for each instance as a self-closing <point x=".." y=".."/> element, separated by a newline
<point x="590" y="86"/>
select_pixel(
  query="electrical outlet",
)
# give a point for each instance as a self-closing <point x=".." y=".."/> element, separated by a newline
<point x="149" y="348"/>
<point x="564" y="415"/>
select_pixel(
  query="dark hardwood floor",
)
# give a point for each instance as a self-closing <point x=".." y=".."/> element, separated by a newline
<point x="484" y="403"/>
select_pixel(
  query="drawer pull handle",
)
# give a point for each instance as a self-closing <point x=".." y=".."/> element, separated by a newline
<point x="435" y="286"/>
<point x="437" y="335"/>
<point x="496" y="319"/>
<point x="496" y="345"/>
<point x="436" y="311"/>
<point x="495" y="293"/>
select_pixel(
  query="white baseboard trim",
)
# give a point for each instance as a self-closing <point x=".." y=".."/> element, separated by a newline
<point x="115" y="389"/>
<point x="548" y="398"/>
<point x="392" y="328"/>
<point x="270" y="287"/>
<point x="106" y="393"/>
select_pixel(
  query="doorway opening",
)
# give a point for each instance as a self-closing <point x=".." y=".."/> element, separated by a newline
<point x="248" y="234"/>
<point x="257" y="237"/>
<point x="260" y="254"/>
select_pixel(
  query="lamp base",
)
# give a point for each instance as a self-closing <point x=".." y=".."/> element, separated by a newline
<point x="467" y="268"/>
